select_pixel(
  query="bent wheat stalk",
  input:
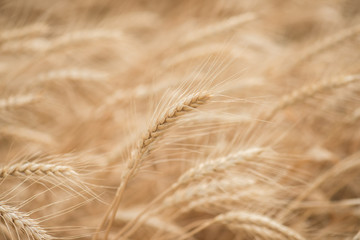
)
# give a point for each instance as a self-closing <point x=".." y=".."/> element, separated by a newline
<point x="21" y="222"/>
<point x="161" y="124"/>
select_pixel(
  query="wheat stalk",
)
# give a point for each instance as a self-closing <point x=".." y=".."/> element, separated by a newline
<point x="155" y="130"/>
<point x="28" y="31"/>
<point x="217" y="28"/>
<point x="21" y="222"/>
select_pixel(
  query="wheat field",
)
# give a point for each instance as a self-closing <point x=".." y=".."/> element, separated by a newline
<point x="193" y="119"/>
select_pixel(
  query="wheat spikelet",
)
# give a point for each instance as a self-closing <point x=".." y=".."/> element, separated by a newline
<point x="240" y="218"/>
<point x="37" y="169"/>
<point x="227" y="24"/>
<point x="216" y="166"/>
<point x="28" y="31"/>
<point x="18" y="101"/>
<point x="222" y="201"/>
<point x="309" y="91"/>
<point x="22" y="223"/>
<point x="155" y="130"/>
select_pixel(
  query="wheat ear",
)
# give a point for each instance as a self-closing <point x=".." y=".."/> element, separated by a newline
<point x="28" y="31"/>
<point x="326" y="43"/>
<point x="21" y="222"/>
<point x="225" y="25"/>
<point x="239" y="218"/>
<point x="38" y="169"/>
<point x="161" y="124"/>
<point x="204" y="190"/>
<point x="206" y="169"/>
<point x="18" y="101"/>
<point x="309" y="91"/>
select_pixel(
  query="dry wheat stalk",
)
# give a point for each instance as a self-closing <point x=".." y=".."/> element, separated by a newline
<point x="155" y="130"/>
<point x="22" y="223"/>
<point x="311" y="90"/>
<point x="217" y="28"/>
<point x="250" y="219"/>
<point x="37" y="169"/>
<point x="28" y="31"/>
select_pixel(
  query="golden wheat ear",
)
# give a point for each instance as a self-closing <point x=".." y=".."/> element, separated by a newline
<point x="251" y="223"/>
<point x="156" y="129"/>
<point x="20" y="225"/>
<point x="204" y="170"/>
